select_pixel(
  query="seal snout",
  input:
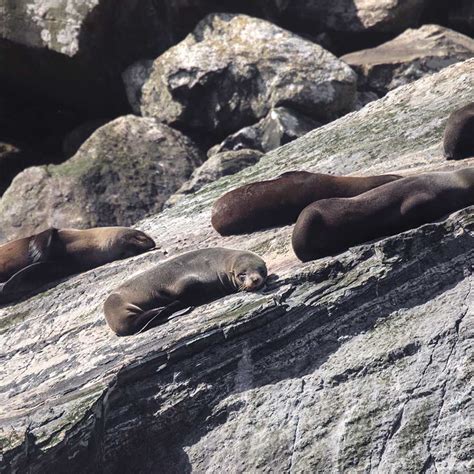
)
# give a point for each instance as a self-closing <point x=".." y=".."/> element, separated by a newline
<point x="253" y="281"/>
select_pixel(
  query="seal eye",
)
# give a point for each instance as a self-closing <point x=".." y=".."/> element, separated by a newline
<point x="241" y="277"/>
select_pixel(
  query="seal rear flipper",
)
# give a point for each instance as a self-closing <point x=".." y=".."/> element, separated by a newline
<point x="39" y="247"/>
<point x="153" y="317"/>
<point x="24" y="281"/>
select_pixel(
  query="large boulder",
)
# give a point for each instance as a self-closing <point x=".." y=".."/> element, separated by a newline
<point x="126" y="170"/>
<point x="233" y="69"/>
<point x="360" y="362"/>
<point x="356" y="15"/>
<point x="281" y="125"/>
<point x="413" y="54"/>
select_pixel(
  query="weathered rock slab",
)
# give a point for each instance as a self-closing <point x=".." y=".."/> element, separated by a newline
<point x="358" y="362"/>
<point x="410" y="56"/>
<point x="126" y="170"/>
<point x="232" y="69"/>
<point x="281" y="126"/>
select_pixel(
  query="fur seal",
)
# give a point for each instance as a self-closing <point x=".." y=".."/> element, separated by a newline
<point x="332" y="225"/>
<point x="185" y="281"/>
<point x="279" y="201"/>
<point x="458" y="139"/>
<point x="54" y="253"/>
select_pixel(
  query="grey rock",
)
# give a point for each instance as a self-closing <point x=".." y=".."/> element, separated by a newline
<point x="233" y="69"/>
<point x="14" y="159"/>
<point x="126" y="170"/>
<point x="356" y="15"/>
<point x="222" y="164"/>
<point x="408" y="57"/>
<point x="76" y="137"/>
<point x="134" y="77"/>
<point x="280" y="126"/>
<point x="361" y="362"/>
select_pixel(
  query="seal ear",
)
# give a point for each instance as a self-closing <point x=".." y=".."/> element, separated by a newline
<point x="41" y="244"/>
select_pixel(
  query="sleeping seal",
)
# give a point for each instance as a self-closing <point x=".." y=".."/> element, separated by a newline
<point x="188" y="280"/>
<point x="332" y="225"/>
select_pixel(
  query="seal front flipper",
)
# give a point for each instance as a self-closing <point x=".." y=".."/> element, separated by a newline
<point x="156" y="316"/>
<point x="39" y="247"/>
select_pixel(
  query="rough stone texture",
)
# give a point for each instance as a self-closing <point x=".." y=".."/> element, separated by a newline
<point x="360" y="362"/>
<point x="14" y="159"/>
<point x="76" y="137"/>
<point x="408" y="57"/>
<point x="222" y="164"/>
<point x="126" y="170"/>
<point x="233" y="69"/>
<point x="356" y="15"/>
<point x="279" y="127"/>
<point x="134" y="77"/>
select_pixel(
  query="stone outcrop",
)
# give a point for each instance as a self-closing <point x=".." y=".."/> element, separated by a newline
<point x="358" y="362"/>
<point x="125" y="171"/>
<point x="232" y="69"/>
<point x="221" y="164"/>
<point x="410" y="56"/>
<point x="279" y="127"/>
<point x="356" y="15"/>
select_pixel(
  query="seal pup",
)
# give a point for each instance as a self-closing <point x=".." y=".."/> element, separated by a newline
<point x="30" y="262"/>
<point x="458" y="139"/>
<point x="279" y="201"/>
<point x="332" y="225"/>
<point x="185" y="281"/>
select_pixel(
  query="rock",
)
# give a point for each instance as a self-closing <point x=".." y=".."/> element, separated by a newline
<point x="14" y="159"/>
<point x="134" y="77"/>
<point x="356" y="15"/>
<point x="280" y="126"/>
<point x="233" y="69"/>
<point x="408" y="57"/>
<point x="221" y="164"/>
<point x="358" y="362"/>
<point x="126" y="170"/>
<point x="76" y="137"/>
<point x="364" y="98"/>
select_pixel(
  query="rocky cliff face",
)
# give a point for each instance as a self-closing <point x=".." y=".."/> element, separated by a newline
<point x="360" y="362"/>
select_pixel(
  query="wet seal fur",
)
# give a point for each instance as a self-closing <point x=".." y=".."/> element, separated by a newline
<point x="332" y="225"/>
<point x="190" y="279"/>
<point x="28" y="263"/>
<point x="279" y="201"/>
<point x="458" y="139"/>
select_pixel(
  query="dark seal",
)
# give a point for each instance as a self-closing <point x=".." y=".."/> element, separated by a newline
<point x="30" y="262"/>
<point x="185" y="281"/>
<point x="458" y="140"/>
<point x="332" y="225"/>
<point x="279" y="201"/>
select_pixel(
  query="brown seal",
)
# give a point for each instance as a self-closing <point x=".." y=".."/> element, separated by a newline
<point x="332" y="225"/>
<point x="279" y="201"/>
<point x="54" y="253"/>
<point x="185" y="281"/>
<point x="458" y="140"/>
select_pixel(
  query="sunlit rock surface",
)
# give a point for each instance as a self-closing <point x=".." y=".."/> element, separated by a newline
<point x="360" y="362"/>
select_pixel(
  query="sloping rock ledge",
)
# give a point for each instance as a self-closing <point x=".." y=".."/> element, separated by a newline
<point x="360" y="362"/>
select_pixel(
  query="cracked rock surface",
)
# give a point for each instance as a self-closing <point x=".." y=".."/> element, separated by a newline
<point x="410" y="56"/>
<point x="232" y="69"/>
<point x="361" y="362"/>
